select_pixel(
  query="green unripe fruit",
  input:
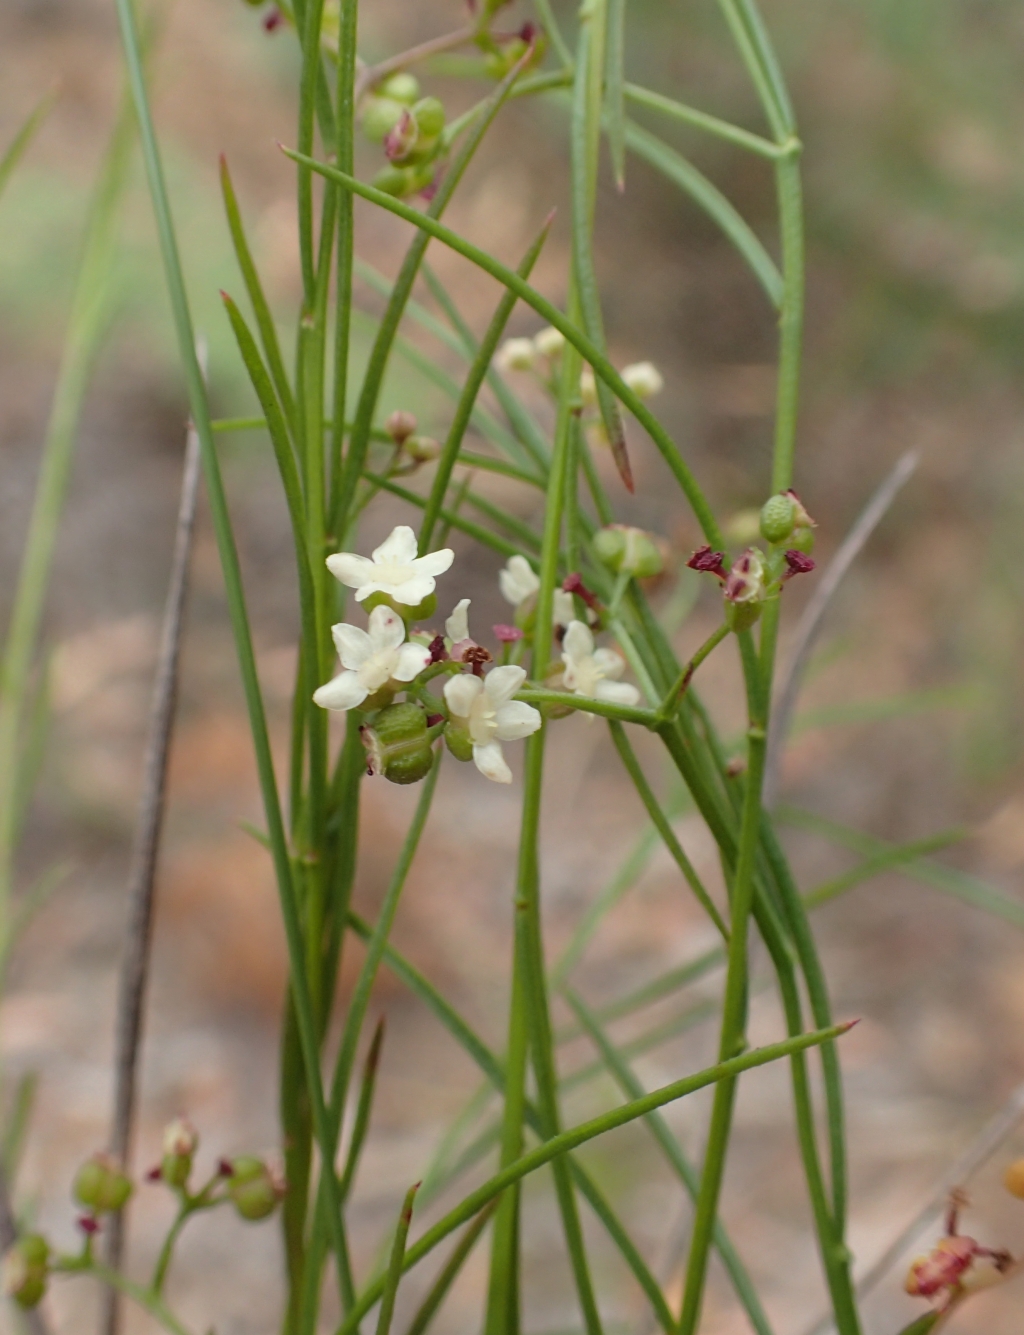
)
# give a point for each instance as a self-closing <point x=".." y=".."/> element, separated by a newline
<point x="381" y="116"/>
<point x="778" y="518"/>
<point x="251" y="1188"/>
<point x="741" y="616"/>
<point x="397" y="745"/>
<point x="403" y="181"/>
<point x="401" y="87"/>
<point x="34" y="1248"/>
<point x="101" y="1186"/>
<point x="430" y="117"/>
<point x="622" y="548"/>
<point x="458" y="742"/>
<point x="801" y="540"/>
<point x="25" y="1270"/>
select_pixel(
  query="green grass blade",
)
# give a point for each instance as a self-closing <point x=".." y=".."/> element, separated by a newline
<point x="428" y="1309"/>
<point x="395" y="1266"/>
<point x="15" y="150"/>
<point x="602" y="367"/>
<point x="474" y="382"/>
<point x="579" y="1135"/>
<point x="887" y="859"/>
<point x="261" y="309"/>
<point x="17" y="1124"/>
<point x="614" y="90"/>
<point x="700" y="120"/>
<point x="362" y="1119"/>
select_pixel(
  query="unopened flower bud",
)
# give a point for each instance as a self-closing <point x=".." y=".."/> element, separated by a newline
<point x="623" y="548"/>
<point x="516" y="354"/>
<point x="397" y="745"/>
<point x="549" y="343"/>
<point x="1013" y="1179"/>
<point x="403" y="87"/>
<point x="101" y="1185"/>
<point x="380" y="117"/>
<point x="588" y="386"/>
<point x="422" y="448"/>
<point x="180" y="1141"/>
<point x="778" y="518"/>
<point x="506" y="634"/>
<point x="252" y="1188"/>
<point x="23" y="1275"/>
<point x="430" y="117"/>
<point x="400" y="426"/>
<point x="644" y="379"/>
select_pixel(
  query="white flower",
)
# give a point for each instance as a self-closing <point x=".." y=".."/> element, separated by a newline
<point x="549" y="342"/>
<point x="594" y="672"/>
<point x="516" y="354"/>
<point x="518" y="582"/>
<point x="485" y="709"/>
<point x="371" y="659"/>
<point x="644" y="379"/>
<point x="395" y="569"/>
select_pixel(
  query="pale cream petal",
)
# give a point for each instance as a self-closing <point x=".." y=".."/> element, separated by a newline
<point x="387" y="629"/>
<point x="501" y="683"/>
<point x="398" y="548"/>
<point x="412" y="659"/>
<point x="345" y="691"/>
<point x="434" y="563"/>
<point x="354" y="646"/>
<point x="578" y="642"/>
<point x="609" y="663"/>
<point x="516" y="719"/>
<point x="457" y="625"/>
<point x="563" y="609"/>
<point x="617" y="693"/>
<point x="461" y="691"/>
<point x="491" y="763"/>
<point x="517" y="580"/>
<point x="350" y="569"/>
<point x="412" y="592"/>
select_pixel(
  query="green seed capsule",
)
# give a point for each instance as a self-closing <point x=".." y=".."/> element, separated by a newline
<point x="778" y="518"/>
<point x="25" y="1270"/>
<point x="801" y="540"/>
<point x="458" y="742"/>
<point x="623" y="548"/>
<point x="101" y="1186"/>
<point x="402" y="87"/>
<point x="430" y="117"/>
<point x="253" y="1191"/>
<point x="397" y="744"/>
<point x="381" y="116"/>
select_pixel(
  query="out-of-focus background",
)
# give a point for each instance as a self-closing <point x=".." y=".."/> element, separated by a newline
<point x="911" y="112"/>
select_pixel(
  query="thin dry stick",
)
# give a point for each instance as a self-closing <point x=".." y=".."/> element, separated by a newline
<point x="142" y="877"/>
<point x="810" y="623"/>
<point x="33" y="1319"/>
<point x="974" y="1156"/>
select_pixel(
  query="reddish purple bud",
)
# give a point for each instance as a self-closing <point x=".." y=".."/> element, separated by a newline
<point x="224" y="1166"/>
<point x="438" y="653"/>
<point x="434" y="719"/>
<point x="529" y="32"/>
<point x="89" y="1224"/>
<point x="399" y="141"/>
<point x="707" y="561"/>
<point x="155" y="1174"/>
<point x="507" y="634"/>
<point x="798" y="563"/>
<point x="574" y="584"/>
<point x="273" y="21"/>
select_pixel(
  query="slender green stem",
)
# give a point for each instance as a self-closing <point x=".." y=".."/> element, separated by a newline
<point x="670" y="704"/>
<point x="394" y="1273"/>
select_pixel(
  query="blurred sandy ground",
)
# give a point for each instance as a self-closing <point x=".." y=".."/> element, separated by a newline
<point x="914" y="332"/>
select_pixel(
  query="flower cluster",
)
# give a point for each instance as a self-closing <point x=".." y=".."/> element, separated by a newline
<point x="542" y="354"/>
<point x="476" y="710"/>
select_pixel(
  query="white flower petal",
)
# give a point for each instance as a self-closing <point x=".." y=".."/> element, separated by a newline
<point x="412" y="659"/>
<point x="617" y="693"/>
<point x="412" y="592"/>
<point x="517" y="580"/>
<point x="457" y="625"/>
<point x="387" y="629"/>
<point x="563" y="609"/>
<point x="345" y="691"/>
<point x="501" y="684"/>
<point x="609" y="663"/>
<point x="434" y="563"/>
<point x="460" y="693"/>
<point x="491" y="763"/>
<point x="354" y="646"/>
<point x="399" y="548"/>
<point x="516" y="719"/>
<point x="350" y="569"/>
<point x="578" y="642"/>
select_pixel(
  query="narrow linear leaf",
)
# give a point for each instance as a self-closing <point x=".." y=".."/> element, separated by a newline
<point x="15" y="150"/>
<point x="428" y="1309"/>
<point x="394" y="1275"/>
<point x="614" y="90"/>
<point x="362" y="1122"/>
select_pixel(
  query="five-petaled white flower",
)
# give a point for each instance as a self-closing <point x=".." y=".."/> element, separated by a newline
<point x="594" y="672"/>
<point x="370" y="660"/>
<point x="518" y="582"/>
<point x="485" y="709"/>
<point x="395" y="569"/>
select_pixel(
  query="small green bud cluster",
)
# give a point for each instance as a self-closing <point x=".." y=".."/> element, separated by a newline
<point x="101" y="1185"/>
<point x="411" y="130"/>
<point x="398" y="743"/>
<point x="629" y="550"/>
<point x="252" y="1188"/>
<point x="417" y="449"/>
<point x="25" y="1270"/>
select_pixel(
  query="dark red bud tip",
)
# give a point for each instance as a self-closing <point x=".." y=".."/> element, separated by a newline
<point x="155" y="1174"/>
<point x="529" y="32"/>
<point x="574" y="584"/>
<point x="89" y="1224"/>
<point x="225" y="1167"/>
<point x="438" y="653"/>
<point x="273" y="21"/>
<point x="850" y="1024"/>
<point x="799" y="563"/>
<point x="708" y="562"/>
<point x="434" y="719"/>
